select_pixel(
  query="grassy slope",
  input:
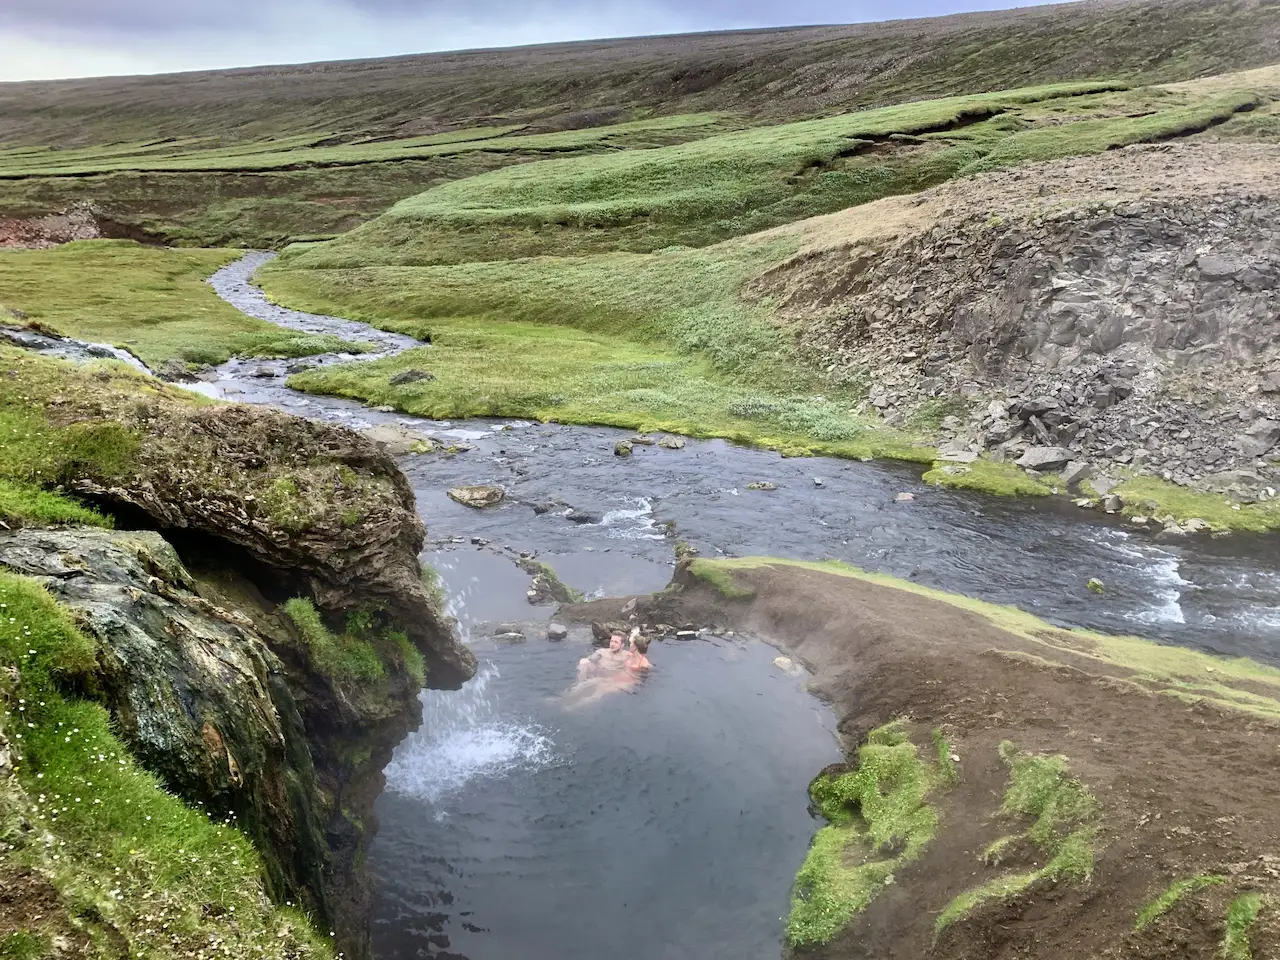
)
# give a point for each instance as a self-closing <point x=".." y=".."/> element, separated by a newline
<point x="299" y="152"/>
<point x="152" y="302"/>
<point x="691" y="194"/>
<point x="267" y="193"/>
<point x="133" y="868"/>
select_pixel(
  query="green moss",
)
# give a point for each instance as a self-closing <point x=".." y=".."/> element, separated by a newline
<point x="721" y="578"/>
<point x="544" y="574"/>
<point x="348" y="657"/>
<point x="286" y="506"/>
<point x="1168" y="899"/>
<point x="121" y="852"/>
<point x="22" y="504"/>
<point x="151" y="301"/>
<point x="987" y="476"/>
<point x="1152" y="497"/>
<point x="881" y="819"/>
<point x="1064" y="819"/>
<point x="1241" y="915"/>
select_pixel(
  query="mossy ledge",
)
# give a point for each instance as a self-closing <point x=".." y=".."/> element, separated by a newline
<point x="246" y="646"/>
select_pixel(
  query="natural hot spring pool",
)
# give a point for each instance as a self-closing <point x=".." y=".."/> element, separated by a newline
<point x="666" y="823"/>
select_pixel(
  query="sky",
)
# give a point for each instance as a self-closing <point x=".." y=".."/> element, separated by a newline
<point x="50" y="39"/>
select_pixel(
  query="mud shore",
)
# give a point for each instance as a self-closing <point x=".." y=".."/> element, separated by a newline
<point x="1176" y="747"/>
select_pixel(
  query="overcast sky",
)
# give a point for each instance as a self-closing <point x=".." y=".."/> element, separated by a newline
<point x="44" y="39"/>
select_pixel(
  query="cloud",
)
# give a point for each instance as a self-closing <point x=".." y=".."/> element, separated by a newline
<point x="52" y="38"/>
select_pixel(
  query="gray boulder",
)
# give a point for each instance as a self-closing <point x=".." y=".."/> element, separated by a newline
<point x="1075" y="472"/>
<point x="1045" y="458"/>
<point x="1261" y="436"/>
<point x="411" y="376"/>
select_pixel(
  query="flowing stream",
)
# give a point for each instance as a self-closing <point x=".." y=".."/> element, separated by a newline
<point x="672" y="819"/>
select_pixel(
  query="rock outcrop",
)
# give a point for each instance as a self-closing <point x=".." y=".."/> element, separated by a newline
<point x="1124" y="307"/>
<point x="211" y="690"/>
<point x="325" y="508"/>
<point x="227" y="513"/>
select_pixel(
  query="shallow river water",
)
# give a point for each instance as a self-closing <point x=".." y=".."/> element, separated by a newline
<point x="668" y="822"/>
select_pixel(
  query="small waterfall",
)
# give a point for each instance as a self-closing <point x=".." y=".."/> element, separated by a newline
<point x="464" y="737"/>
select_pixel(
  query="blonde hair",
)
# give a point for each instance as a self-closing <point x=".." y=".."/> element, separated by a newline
<point x="641" y="644"/>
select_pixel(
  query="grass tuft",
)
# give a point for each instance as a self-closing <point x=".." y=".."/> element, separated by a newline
<point x="349" y="656"/>
<point x="1065" y="818"/>
<point x="1241" y="915"/>
<point x="880" y="820"/>
<point x="942" y="749"/>
<point x="1167" y="900"/>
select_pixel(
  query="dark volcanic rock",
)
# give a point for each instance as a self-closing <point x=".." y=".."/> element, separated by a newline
<point x="319" y="501"/>
<point x="411" y="376"/>
<point x="220" y="703"/>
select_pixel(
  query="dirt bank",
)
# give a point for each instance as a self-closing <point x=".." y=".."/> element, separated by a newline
<point x="79" y="221"/>
<point x="1118" y="310"/>
<point x="1173" y="751"/>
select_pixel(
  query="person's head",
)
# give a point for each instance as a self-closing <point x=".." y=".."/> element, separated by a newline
<point x="640" y="645"/>
<point x="615" y="643"/>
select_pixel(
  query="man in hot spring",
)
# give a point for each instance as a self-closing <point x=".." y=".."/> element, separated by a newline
<point x="606" y="671"/>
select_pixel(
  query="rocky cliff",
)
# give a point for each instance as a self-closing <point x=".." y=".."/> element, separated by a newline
<point x="228" y="516"/>
<point x="1119" y="310"/>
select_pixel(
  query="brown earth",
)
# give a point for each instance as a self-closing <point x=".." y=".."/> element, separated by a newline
<point x="38" y="233"/>
<point x="1120" y="306"/>
<point x="1185" y="788"/>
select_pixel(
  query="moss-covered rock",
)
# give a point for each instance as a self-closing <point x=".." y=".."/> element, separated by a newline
<point x="318" y="501"/>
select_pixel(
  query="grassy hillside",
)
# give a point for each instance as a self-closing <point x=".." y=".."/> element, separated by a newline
<point x="514" y="273"/>
<point x="263" y="156"/>
<point x="781" y="73"/>
<point x="737" y="183"/>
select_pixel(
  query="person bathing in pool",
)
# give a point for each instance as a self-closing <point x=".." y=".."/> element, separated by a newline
<point x="636" y="661"/>
<point x="609" y="671"/>
<point x="601" y="663"/>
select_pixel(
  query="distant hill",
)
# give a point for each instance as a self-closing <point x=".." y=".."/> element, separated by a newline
<point x="766" y="74"/>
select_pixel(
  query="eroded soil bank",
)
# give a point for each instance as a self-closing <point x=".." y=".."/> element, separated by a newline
<point x="1166" y="778"/>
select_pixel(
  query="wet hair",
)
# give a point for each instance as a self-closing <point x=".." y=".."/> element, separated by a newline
<point x="641" y="644"/>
